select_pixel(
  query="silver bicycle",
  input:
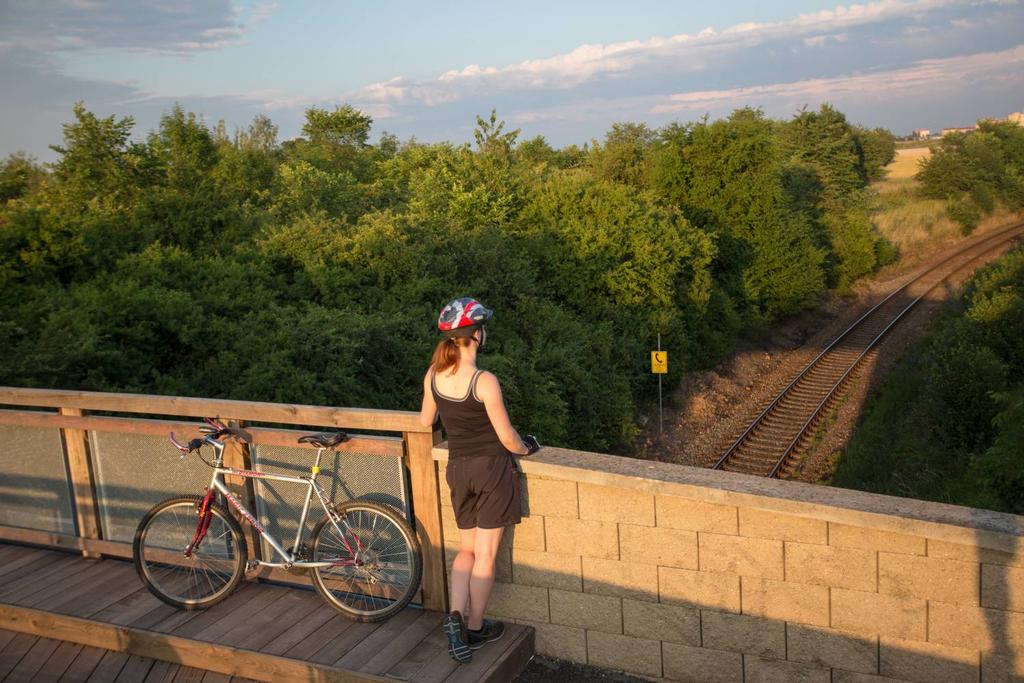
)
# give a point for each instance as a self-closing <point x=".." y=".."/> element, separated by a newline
<point x="191" y="552"/>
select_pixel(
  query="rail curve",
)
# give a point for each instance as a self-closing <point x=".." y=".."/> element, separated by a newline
<point x="770" y="443"/>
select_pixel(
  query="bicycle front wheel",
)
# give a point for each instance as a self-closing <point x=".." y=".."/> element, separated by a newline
<point x="375" y="558"/>
<point x="204" y="576"/>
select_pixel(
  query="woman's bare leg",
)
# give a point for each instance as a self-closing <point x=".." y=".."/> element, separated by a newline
<point x="462" y="569"/>
<point x="481" y="581"/>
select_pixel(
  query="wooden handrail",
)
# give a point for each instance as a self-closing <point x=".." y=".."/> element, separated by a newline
<point x="251" y="411"/>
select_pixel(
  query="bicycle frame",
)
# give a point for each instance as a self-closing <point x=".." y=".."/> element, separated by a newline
<point x="312" y="486"/>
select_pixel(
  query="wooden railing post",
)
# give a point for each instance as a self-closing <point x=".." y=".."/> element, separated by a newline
<point x="426" y="504"/>
<point x="83" y="485"/>
<point x="237" y="455"/>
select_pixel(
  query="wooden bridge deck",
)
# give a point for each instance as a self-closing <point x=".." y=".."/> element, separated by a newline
<point x="93" y="620"/>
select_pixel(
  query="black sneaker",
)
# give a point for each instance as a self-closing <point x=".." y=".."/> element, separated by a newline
<point x="488" y="633"/>
<point x="454" y="627"/>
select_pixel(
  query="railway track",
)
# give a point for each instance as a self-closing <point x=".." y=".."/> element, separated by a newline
<point x="770" y="445"/>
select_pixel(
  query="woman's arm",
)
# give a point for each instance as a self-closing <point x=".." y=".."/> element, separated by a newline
<point x="489" y="391"/>
<point x="428" y="411"/>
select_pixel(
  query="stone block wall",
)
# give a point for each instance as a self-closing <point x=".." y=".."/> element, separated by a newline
<point x="692" y="575"/>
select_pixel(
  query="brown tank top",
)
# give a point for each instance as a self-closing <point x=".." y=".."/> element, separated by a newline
<point x="470" y="432"/>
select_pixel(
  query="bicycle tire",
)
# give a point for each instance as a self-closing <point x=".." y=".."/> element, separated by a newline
<point x="210" y="574"/>
<point x="368" y="592"/>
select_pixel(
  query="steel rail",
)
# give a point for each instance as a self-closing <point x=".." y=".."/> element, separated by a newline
<point x="998" y="238"/>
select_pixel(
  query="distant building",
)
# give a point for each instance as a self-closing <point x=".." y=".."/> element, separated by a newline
<point x="921" y="134"/>
<point x="1016" y="117"/>
<point x="962" y="129"/>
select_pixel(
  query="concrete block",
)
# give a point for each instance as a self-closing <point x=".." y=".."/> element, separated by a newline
<point x="551" y="570"/>
<point x="586" y="610"/>
<point x="681" y="513"/>
<point x="928" y="577"/>
<point x="739" y="555"/>
<point x="701" y="665"/>
<point x="557" y="640"/>
<point x="510" y="601"/>
<point x="710" y="590"/>
<point x="1002" y="587"/>
<point x="1002" y="668"/>
<point x="766" y="524"/>
<point x="741" y="633"/>
<point x="582" y="537"/>
<point x="658" y="545"/>
<point x="874" y="614"/>
<point x="785" y="601"/>
<point x="824" y="565"/>
<point x="758" y="670"/>
<point x="985" y="629"/>
<point x="528" y="534"/>
<point x="671" y="623"/>
<point x="625" y="579"/>
<point x="624" y="653"/>
<point x="550" y="498"/>
<point x="846" y="536"/>
<point x="829" y="648"/>
<point x="972" y="553"/>
<point x="840" y="676"/>
<point x="614" y="504"/>
<point x="928" y="662"/>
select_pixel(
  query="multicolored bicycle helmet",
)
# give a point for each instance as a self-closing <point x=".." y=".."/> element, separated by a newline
<point x="462" y="317"/>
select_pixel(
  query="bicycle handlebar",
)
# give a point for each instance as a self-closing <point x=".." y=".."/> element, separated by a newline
<point x="214" y="431"/>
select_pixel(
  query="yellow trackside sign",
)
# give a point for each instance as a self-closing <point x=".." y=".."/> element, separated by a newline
<point x="659" y="362"/>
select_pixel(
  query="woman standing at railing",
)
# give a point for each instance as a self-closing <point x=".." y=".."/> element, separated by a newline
<point x="481" y="471"/>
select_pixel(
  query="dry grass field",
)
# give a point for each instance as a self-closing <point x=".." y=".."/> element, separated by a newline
<point x="917" y="226"/>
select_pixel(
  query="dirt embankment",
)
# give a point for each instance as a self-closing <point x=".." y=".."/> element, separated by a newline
<point x="710" y="409"/>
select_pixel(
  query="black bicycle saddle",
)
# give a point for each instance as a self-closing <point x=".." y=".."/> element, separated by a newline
<point x="325" y="439"/>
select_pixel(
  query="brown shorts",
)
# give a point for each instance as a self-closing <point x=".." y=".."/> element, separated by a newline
<point x="485" y="491"/>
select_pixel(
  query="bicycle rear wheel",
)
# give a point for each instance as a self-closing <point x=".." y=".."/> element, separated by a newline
<point x="208" y="573"/>
<point x="377" y="562"/>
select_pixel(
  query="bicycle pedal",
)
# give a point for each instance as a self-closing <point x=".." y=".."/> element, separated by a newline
<point x="251" y="566"/>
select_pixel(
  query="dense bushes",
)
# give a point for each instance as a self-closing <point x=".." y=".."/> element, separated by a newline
<point x="948" y="423"/>
<point x="199" y="263"/>
<point x="973" y="171"/>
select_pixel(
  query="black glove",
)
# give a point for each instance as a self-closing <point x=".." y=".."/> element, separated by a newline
<point x="531" y="443"/>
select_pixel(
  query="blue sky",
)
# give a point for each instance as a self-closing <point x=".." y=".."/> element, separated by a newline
<point x="565" y="70"/>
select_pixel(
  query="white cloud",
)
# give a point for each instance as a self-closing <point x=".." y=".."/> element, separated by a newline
<point x="925" y="76"/>
<point x="681" y="53"/>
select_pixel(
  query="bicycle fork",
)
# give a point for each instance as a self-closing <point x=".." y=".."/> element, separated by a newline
<point x="203" y="523"/>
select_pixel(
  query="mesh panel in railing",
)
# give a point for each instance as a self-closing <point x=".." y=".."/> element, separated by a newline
<point x="34" y="490"/>
<point x="343" y="475"/>
<point x="134" y="472"/>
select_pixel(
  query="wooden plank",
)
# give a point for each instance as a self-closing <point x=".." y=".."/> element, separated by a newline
<point x="236" y="455"/>
<point x="500" y="661"/>
<point x="339" y="645"/>
<point x="115" y="588"/>
<point x="39" y="578"/>
<point x="71" y="585"/>
<point x="109" y="667"/>
<point x="213" y="677"/>
<point x="135" y="669"/>
<point x="360" y="444"/>
<point x="15" y="650"/>
<point x="210" y="656"/>
<point x="403" y="643"/>
<point x="315" y="622"/>
<point x="281" y="608"/>
<point x="188" y="674"/>
<point x="426" y="504"/>
<point x="438" y="667"/>
<point x="58" y="662"/>
<point x="244" y="615"/>
<point x="22" y="567"/>
<point x="128" y="609"/>
<point x="83" y="485"/>
<point x="419" y="656"/>
<point x="34" y="660"/>
<point x="283" y="413"/>
<point x="83" y="666"/>
<point x="317" y="639"/>
<point x="64" y="541"/>
<point x="22" y="560"/>
<point x="162" y="672"/>
<point x="233" y="606"/>
<point x="382" y="638"/>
